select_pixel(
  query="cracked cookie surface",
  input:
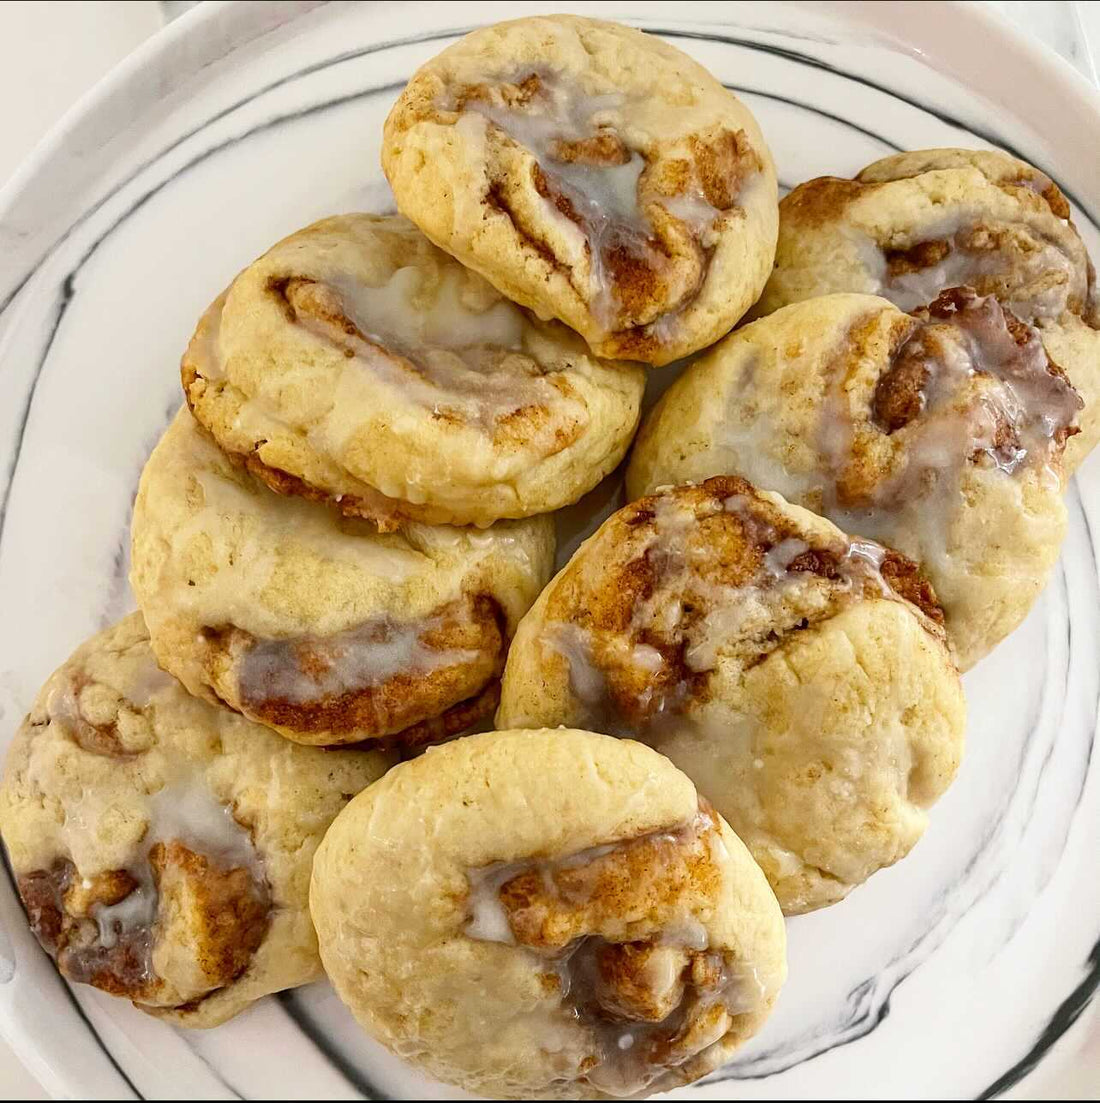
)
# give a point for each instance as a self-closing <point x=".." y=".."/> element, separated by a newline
<point x="912" y="225"/>
<point x="800" y="677"/>
<point x="593" y="173"/>
<point x="161" y="845"/>
<point x="940" y="433"/>
<point x="357" y="364"/>
<point x="547" y="914"/>
<point x="315" y="624"/>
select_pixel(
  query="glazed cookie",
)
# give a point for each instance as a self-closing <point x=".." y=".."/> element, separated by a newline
<point x="939" y="433"/>
<point x="318" y="625"/>
<point x="162" y="847"/>
<point x="800" y="678"/>
<point x="547" y="915"/>
<point x="594" y="174"/>
<point x="915" y="224"/>
<point x="356" y="363"/>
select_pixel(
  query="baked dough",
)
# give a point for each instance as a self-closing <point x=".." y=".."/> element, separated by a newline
<point x="915" y="224"/>
<point x="547" y="914"/>
<point x="317" y="625"/>
<point x="356" y="363"/>
<point x="162" y="846"/>
<point x="940" y="434"/>
<point x="800" y="678"/>
<point x="594" y="174"/>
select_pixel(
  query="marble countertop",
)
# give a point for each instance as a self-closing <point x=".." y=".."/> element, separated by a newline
<point x="61" y="49"/>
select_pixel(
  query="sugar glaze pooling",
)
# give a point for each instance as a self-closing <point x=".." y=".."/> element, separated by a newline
<point x="590" y="178"/>
<point x="993" y="859"/>
<point x="649" y="1004"/>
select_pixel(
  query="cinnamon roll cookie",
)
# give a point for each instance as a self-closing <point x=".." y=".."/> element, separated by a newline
<point x="594" y="174"/>
<point x="576" y="923"/>
<point x="318" y="625"/>
<point x="356" y="363"/>
<point x="162" y="846"/>
<point x="800" y="678"/>
<point x="939" y="433"/>
<point x="912" y="225"/>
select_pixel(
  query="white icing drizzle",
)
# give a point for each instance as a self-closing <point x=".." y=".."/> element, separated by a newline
<point x="690" y="934"/>
<point x="62" y="707"/>
<point x="693" y="209"/>
<point x="442" y="354"/>
<point x="120" y="791"/>
<point x="779" y="557"/>
<point x="978" y="378"/>
<point x="731" y="610"/>
<point x="396" y="311"/>
<point x="147" y="682"/>
<point x="557" y="115"/>
<point x="602" y="187"/>
<point x="134" y="912"/>
<point x="347" y="662"/>
<point x="587" y="683"/>
<point x="489" y="923"/>
<point x="488" y="920"/>
<point x="674" y="973"/>
<point x="725" y="618"/>
<point x="1034" y="283"/>
<point x="864" y="560"/>
<point x="183" y="810"/>
<point x="957" y="349"/>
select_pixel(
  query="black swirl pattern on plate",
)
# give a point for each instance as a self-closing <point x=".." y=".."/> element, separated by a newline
<point x="868" y="1004"/>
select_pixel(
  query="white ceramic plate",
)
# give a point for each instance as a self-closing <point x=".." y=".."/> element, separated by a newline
<point x="949" y="975"/>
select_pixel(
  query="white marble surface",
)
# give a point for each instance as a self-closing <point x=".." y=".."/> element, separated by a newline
<point x="52" y="53"/>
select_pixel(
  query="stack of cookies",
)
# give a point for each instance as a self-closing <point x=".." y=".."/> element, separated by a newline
<point x="736" y="700"/>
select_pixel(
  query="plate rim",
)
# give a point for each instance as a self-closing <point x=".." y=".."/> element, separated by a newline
<point x="237" y="24"/>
